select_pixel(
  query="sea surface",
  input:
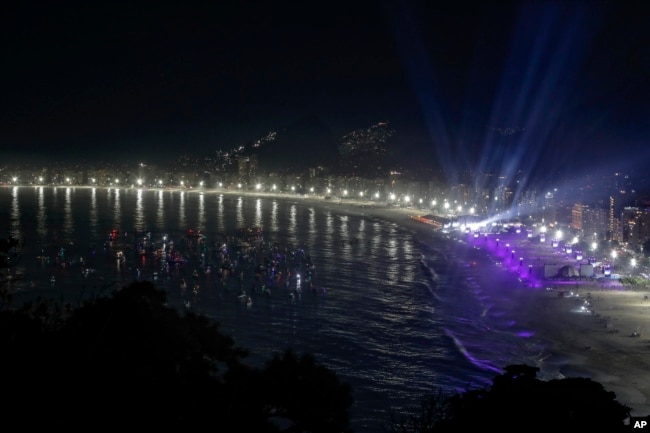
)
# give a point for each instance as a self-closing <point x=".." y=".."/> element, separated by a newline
<point x="397" y="312"/>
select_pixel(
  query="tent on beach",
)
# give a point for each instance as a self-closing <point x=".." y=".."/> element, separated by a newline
<point x="568" y="271"/>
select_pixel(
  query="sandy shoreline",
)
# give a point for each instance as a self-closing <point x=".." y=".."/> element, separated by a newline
<point x="598" y="329"/>
<point x="609" y="342"/>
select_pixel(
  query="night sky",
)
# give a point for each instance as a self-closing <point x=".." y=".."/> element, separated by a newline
<point x="471" y="85"/>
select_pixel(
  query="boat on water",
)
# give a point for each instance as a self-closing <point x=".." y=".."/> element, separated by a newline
<point x="195" y="234"/>
<point x="248" y="235"/>
<point x="177" y="260"/>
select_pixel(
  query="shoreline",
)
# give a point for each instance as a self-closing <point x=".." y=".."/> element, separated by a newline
<point x="608" y="342"/>
<point x="593" y="328"/>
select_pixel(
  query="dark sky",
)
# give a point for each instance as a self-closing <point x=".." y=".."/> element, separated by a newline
<point x="469" y="84"/>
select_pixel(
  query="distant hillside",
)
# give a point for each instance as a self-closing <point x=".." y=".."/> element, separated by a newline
<point x="300" y="145"/>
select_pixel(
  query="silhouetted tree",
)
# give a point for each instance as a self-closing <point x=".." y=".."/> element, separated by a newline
<point x="432" y="411"/>
<point x="129" y="360"/>
<point x="518" y="401"/>
<point x="306" y="394"/>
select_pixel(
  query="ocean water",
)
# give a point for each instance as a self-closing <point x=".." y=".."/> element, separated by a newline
<point x="397" y="311"/>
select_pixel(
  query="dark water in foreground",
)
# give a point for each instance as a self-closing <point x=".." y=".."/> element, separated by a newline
<point x="403" y="312"/>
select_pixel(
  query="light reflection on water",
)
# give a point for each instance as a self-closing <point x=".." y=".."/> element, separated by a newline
<point x="41" y="218"/>
<point x="382" y="322"/>
<point x="201" y="223"/>
<point x="181" y="210"/>
<point x="15" y="230"/>
<point x="139" y="223"/>
<point x="68" y="222"/>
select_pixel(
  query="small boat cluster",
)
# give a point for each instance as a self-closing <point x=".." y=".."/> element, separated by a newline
<point x="250" y="266"/>
<point x="241" y="266"/>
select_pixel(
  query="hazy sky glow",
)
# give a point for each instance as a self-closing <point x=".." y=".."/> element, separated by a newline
<point x="500" y="86"/>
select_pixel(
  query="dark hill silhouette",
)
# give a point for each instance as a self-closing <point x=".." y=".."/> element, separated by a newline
<point x="305" y="143"/>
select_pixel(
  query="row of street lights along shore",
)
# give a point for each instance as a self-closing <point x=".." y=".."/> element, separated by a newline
<point x="392" y="198"/>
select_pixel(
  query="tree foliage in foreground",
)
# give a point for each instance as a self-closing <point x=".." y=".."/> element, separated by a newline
<point x="129" y="360"/>
<point x="518" y="401"/>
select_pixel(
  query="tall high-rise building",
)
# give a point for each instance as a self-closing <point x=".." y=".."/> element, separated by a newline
<point x="595" y="223"/>
<point x="612" y="221"/>
<point x="578" y="212"/>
